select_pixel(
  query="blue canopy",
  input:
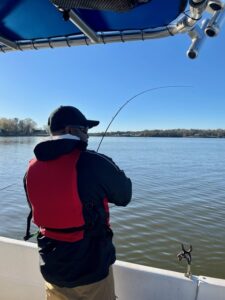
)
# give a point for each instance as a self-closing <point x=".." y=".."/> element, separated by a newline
<point x="35" y="24"/>
<point x="35" y="19"/>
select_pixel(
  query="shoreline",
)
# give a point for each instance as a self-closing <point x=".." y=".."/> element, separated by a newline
<point x="122" y="136"/>
<point x="169" y="133"/>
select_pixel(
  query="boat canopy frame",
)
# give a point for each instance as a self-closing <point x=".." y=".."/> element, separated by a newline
<point x="189" y="21"/>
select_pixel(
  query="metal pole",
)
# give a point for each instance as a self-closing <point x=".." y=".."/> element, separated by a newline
<point x="8" y="43"/>
<point x="79" y="23"/>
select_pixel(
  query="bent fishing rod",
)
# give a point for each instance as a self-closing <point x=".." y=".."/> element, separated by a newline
<point x="119" y="110"/>
<point x="132" y="98"/>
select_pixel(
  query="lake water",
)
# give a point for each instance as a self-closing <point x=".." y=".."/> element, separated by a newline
<point x="178" y="197"/>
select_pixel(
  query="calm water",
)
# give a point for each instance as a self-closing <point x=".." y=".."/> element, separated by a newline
<point x="178" y="197"/>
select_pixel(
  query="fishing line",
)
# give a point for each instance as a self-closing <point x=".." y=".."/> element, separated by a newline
<point x="129" y="100"/>
<point x="135" y="96"/>
<point x="6" y="187"/>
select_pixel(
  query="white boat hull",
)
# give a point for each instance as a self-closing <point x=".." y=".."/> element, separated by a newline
<point x="20" y="279"/>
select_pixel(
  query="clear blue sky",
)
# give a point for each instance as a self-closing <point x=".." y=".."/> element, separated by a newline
<point x="99" y="79"/>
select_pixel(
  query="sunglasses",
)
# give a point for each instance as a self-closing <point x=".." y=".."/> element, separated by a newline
<point x="81" y="128"/>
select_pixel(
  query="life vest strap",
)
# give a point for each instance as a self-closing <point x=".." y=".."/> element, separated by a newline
<point x="66" y="230"/>
<point x="62" y="230"/>
<point x="28" y="234"/>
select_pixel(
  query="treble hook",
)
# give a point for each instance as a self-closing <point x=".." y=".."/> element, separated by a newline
<point x="187" y="255"/>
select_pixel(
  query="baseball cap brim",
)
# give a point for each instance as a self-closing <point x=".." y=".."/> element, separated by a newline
<point x="92" y="123"/>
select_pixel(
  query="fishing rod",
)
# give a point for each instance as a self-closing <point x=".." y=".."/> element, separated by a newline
<point x="133" y="97"/>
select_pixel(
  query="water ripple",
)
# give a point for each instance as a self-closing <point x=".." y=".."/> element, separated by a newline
<point x="178" y="197"/>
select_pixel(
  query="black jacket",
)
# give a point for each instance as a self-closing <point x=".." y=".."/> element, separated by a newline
<point x="88" y="260"/>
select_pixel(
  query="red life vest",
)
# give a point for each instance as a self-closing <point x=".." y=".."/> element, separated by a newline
<point x="53" y="194"/>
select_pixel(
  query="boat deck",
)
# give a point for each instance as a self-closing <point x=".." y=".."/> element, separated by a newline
<point x="20" y="279"/>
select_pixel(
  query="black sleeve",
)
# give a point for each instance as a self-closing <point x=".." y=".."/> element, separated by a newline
<point x="100" y="177"/>
<point x="25" y="188"/>
<point x="29" y="217"/>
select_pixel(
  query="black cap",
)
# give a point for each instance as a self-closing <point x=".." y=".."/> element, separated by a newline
<point x="68" y="115"/>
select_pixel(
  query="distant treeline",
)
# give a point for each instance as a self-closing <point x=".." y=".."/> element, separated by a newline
<point x="27" y="127"/>
<point x="16" y="127"/>
<point x="204" y="133"/>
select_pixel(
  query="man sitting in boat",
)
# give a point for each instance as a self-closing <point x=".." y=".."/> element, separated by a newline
<point x="69" y="188"/>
